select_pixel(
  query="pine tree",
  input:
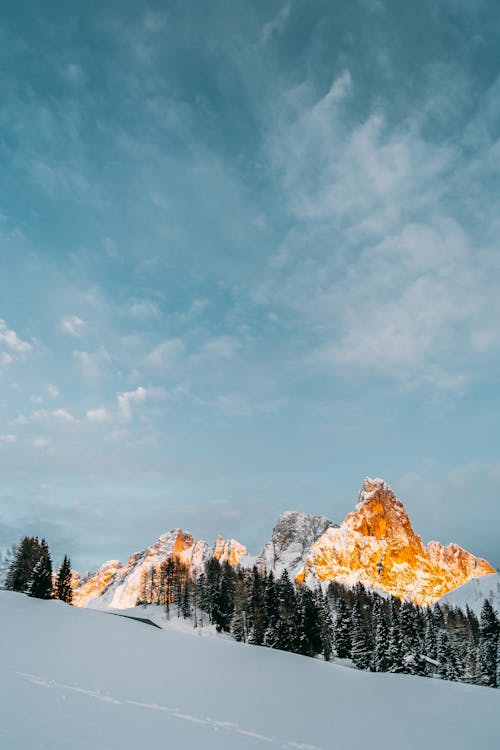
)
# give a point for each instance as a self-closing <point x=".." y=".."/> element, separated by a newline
<point x="342" y="630"/>
<point x="286" y="625"/>
<point x="222" y="610"/>
<point x="381" y="644"/>
<point x="40" y="585"/>
<point x="239" y="619"/>
<point x="308" y="621"/>
<point x="186" y="600"/>
<point x="28" y="552"/>
<point x="394" y="654"/>
<point x="361" y="650"/>
<point x="63" y="589"/>
<point x="6" y="561"/>
<point x="488" y="645"/>
<point x="410" y="628"/>
<point x="257" y="609"/>
<point x="471" y="670"/>
<point x="325" y="624"/>
<point x="272" y="611"/>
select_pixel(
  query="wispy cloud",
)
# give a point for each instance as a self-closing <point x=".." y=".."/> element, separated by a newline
<point x="127" y="399"/>
<point x="379" y="268"/>
<point x="11" y="345"/>
<point x="72" y="324"/>
<point x="94" y="364"/>
<point x="166" y="353"/>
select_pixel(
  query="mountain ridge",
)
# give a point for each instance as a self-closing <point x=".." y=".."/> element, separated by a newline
<point x="375" y="545"/>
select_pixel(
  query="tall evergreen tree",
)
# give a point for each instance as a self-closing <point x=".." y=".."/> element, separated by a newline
<point x="40" y="584"/>
<point x="63" y="588"/>
<point x="381" y="640"/>
<point x="410" y="629"/>
<point x="286" y="626"/>
<point x="308" y="624"/>
<point x="361" y="650"/>
<point x="394" y="654"/>
<point x="325" y="624"/>
<point x="342" y="630"/>
<point x="488" y="645"/>
<point x="257" y="609"/>
<point x="6" y="560"/>
<point x="272" y="610"/>
<point x="28" y="553"/>
<point x="239" y="620"/>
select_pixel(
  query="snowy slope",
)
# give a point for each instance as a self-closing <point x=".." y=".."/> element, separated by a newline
<point x="475" y="592"/>
<point x="74" y="679"/>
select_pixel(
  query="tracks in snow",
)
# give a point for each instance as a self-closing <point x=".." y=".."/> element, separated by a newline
<point x="175" y="713"/>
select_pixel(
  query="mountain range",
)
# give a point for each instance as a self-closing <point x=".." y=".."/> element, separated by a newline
<point x="375" y="545"/>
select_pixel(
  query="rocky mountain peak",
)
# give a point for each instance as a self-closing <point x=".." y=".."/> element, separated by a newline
<point x="376" y="545"/>
<point x="293" y="536"/>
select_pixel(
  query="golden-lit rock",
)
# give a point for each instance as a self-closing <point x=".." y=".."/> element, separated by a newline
<point x="121" y="586"/>
<point x="93" y="585"/>
<point x="229" y="551"/>
<point x="377" y="546"/>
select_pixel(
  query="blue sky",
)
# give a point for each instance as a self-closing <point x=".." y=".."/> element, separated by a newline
<point x="249" y="254"/>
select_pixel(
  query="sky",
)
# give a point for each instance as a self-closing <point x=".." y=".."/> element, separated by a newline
<point x="249" y="255"/>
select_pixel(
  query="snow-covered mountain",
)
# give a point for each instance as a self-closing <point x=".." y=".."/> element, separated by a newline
<point x="119" y="586"/>
<point x="375" y="545"/>
<point x="292" y="539"/>
<point x="73" y="679"/>
<point x="473" y="594"/>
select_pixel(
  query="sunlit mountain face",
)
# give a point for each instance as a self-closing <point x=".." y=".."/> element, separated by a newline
<point x="375" y="545"/>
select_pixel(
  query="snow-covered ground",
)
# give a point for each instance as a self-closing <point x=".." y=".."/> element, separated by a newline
<point x="475" y="592"/>
<point x="76" y="679"/>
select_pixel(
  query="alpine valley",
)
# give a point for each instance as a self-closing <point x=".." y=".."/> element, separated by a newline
<point x="375" y="545"/>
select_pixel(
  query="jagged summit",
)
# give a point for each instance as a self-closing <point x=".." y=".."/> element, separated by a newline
<point x="293" y="536"/>
<point x="119" y="586"/>
<point x="375" y="545"/>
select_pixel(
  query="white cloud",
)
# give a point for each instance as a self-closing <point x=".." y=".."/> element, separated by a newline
<point x="94" y="364"/>
<point x="127" y="398"/>
<point x="276" y="25"/>
<point x="166" y="353"/>
<point x="40" y="442"/>
<point x="20" y="420"/>
<point x="11" y="346"/>
<point x="7" y="438"/>
<point x="53" y="390"/>
<point x="62" y="415"/>
<point x="221" y="347"/>
<point x="378" y="271"/>
<point x="72" y="324"/>
<point x="144" y="309"/>
<point x="100" y="414"/>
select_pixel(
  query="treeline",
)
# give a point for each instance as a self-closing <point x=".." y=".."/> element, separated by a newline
<point x="380" y="634"/>
<point x="27" y="568"/>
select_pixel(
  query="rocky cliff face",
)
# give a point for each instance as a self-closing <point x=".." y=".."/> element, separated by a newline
<point x="119" y="586"/>
<point x="377" y="546"/>
<point x="292" y="539"/>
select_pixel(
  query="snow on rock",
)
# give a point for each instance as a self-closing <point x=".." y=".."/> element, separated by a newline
<point x="119" y="586"/>
<point x="293" y="537"/>
<point x="74" y="679"/>
<point x="473" y="594"/>
<point x="230" y="551"/>
<point x="377" y="546"/>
